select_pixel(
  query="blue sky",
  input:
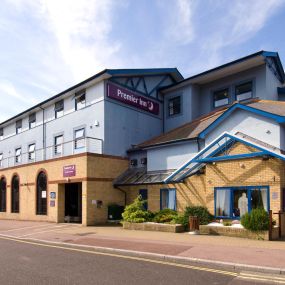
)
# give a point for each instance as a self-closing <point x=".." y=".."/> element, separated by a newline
<point x="49" y="45"/>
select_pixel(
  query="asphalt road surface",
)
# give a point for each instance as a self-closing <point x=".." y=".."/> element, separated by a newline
<point x="31" y="263"/>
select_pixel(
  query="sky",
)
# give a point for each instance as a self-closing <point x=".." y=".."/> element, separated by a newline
<point x="47" y="46"/>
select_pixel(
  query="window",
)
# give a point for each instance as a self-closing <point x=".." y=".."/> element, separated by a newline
<point x="41" y="194"/>
<point x="80" y="101"/>
<point x="168" y="199"/>
<point x="79" y="141"/>
<point x="32" y="152"/>
<point x="18" y="126"/>
<point x="1" y="133"/>
<point x="234" y="202"/>
<point x="58" y="145"/>
<point x="243" y="91"/>
<point x="143" y="194"/>
<point x="58" y="108"/>
<point x="32" y="120"/>
<point x="1" y="159"/>
<point x="221" y="97"/>
<point x="174" y="106"/>
<point x="15" y="205"/>
<point x="18" y="155"/>
<point x="3" y="190"/>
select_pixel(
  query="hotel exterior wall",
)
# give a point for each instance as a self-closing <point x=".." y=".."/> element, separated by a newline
<point x="95" y="172"/>
<point x="199" y="189"/>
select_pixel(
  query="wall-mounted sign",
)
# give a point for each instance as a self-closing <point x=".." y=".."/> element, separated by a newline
<point x="52" y="195"/>
<point x="69" y="170"/>
<point x="52" y="203"/>
<point x="130" y="98"/>
<point x="44" y="194"/>
<point x="274" y="195"/>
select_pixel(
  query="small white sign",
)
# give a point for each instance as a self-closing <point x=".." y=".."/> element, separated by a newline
<point x="44" y="194"/>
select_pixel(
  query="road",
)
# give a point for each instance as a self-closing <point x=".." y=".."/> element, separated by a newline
<point x="26" y="262"/>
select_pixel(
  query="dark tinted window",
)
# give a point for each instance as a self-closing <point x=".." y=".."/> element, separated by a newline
<point x="221" y="97"/>
<point x="174" y="106"/>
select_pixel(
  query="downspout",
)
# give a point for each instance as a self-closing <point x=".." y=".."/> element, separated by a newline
<point x="44" y="134"/>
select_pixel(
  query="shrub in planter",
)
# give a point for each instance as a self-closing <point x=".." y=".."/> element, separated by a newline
<point x="135" y="212"/>
<point x="164" y="216"/>
<point x="256" y="220"/>
<point x="201" y="212"/>
<point x="180" y="219"/>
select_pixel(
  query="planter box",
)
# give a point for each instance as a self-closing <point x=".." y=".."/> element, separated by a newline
<point x="154" y="227"/>
<point x="233" y="232"/>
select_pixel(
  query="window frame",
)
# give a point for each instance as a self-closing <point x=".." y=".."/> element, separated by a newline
<point x="3" y="195"/>
<point x="79" y="138"/>
<point x="144" y="195"/>
<point x="55" y="145"/>
<point x="220" y="90"/>
<point x="78" y="96"/>
<point x="19" y="126"/>
<point x="32" y="152"/>
<point x="1" y="158"/>
<point x="167" y="190"/>
<point x="1" y="134"/>
<point x="15" y="207"/>
<point x="41" y="203"/>
<point x="32" y="120"/>
<point x="18" y="157"/>
<point x="171" y="99"/>
<point x="249" y="189"/>
<point x="58" y="109"/>
<point x="242" y="83"/>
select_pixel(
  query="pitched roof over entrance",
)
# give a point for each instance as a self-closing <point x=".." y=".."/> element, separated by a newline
<point x="203" y="125"/>
<point x="217" y="150"/>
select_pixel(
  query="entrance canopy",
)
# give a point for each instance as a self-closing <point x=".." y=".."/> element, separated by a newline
<point x="219" y="150"/>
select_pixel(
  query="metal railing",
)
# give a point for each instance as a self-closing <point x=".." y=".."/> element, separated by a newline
<point x="77" y="146"/>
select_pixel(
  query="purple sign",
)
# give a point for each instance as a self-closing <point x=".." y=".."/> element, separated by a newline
<point x="128" y="97"/>
<point x="69" y="171"/>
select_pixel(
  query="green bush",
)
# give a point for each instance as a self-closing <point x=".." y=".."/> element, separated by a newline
<point x="164" y="216"/>
<point x="135" y="212"/>
<point x="256" y="220"/>
<point x="227" y="223"/>
<point x="180" y="219"/>
<point x="199" y="211"/>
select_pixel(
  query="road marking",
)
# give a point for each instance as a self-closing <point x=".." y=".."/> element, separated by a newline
<point x="53" y="229"/>
<point x="242" y="275"/>
<point x="18" y="229"/>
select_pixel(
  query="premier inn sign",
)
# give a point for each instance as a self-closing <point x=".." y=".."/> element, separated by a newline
<point x="129" y="98"/>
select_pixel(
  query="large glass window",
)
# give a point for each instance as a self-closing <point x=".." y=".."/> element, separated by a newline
<point x="79" y="141"/>
<point x="174" y="106"/>
<point x="58" y="109"/>
<point x="58" y="145"/>
<point x="168" y="199"/>
<point x="244" y="91"/>
<point x="234" y="202"/>
<point x="15" y="197"/>
<point x="42" y="194"/>
<point x="223" y="203"/>
<point x="3" y="188"/>
<point x="221" y="97"/>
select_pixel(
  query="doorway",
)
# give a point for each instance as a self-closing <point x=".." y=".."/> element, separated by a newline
<point x="73" y="203"/>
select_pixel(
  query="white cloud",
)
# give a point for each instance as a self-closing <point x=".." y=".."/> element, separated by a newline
<point x="180" y="26"/>
<point x="82" y="31"/>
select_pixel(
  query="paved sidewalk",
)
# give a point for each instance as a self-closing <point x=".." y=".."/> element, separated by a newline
<point x="214" y="248"/>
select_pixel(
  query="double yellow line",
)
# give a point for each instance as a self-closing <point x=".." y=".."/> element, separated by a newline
<point x="242" y="275"/>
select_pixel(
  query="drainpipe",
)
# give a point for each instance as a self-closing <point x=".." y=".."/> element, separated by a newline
<point x="44" y="134"/>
